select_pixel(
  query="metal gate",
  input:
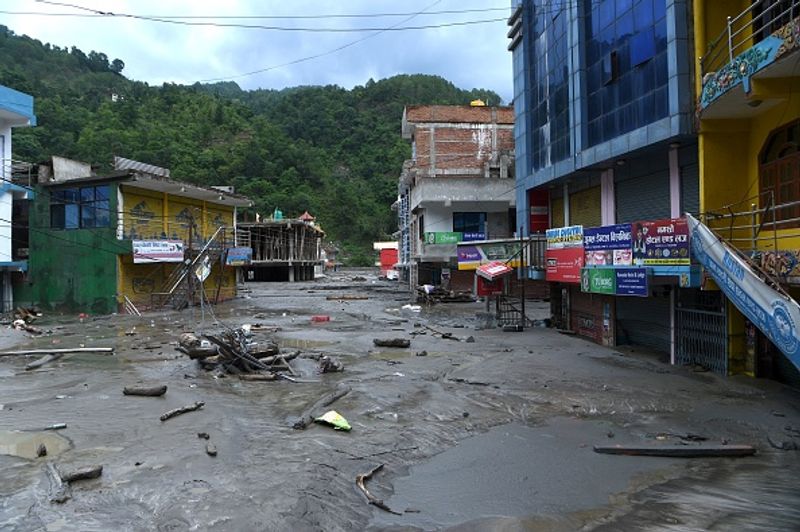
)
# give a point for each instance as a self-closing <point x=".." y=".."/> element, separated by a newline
<point x="701" y="332"/>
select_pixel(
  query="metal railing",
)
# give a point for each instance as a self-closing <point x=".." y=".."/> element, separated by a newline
<point x="20" y="172"/>
<point x="746" y="29"/>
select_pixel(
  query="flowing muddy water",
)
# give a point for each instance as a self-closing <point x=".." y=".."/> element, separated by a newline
<point x="494" y="434"/>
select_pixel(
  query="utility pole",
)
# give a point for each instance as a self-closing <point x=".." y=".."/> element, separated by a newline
<point x="524" y="275"/>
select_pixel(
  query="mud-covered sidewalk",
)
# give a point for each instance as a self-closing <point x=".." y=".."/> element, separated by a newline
<point x="482" y="430"/>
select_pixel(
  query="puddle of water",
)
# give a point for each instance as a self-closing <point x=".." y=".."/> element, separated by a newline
<point x="24" y="444"/>
<point x="522" y="471"/>
<point x="297" y="343"/>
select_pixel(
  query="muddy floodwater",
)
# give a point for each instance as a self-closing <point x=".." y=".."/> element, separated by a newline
<point x="484" y="430"/>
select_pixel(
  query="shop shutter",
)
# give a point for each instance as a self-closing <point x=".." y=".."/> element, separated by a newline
<point x="642" y="196"/>
<point x="584" y="208"/>
<point x="557" y="212"/>
<point x="645" y="321"/>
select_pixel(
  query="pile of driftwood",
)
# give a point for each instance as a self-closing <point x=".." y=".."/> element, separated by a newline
<point x="234" y="352"/>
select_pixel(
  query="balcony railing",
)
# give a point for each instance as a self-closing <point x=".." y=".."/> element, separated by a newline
<point x="19" y="172"/>
<point x="749" y="27"/>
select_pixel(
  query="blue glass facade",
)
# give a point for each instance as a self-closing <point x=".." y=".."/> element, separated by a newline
<point x="626" y="66"/>
<point x="548" y="97"/>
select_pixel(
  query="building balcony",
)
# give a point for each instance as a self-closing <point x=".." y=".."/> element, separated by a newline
<point x="463" y="193"/>
<point x="750" y="67"/>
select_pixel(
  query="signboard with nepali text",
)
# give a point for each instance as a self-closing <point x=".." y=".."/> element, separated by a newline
<point x="608" y="245"/>
<point x="149" y="251"/>
<point x="615" y="281"/>
<point x="660" y="242"/>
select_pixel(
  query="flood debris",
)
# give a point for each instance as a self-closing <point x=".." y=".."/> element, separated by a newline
<point x="346" y="297"/>
<point x="21" y="325"/>
<point x="56" y="426"/>
<point x="785" y="445"/>
<point x="203" y="435"/>
<point x="182" y="410"/>
<point x="678" y="451"/>
<point x="41" y="450"/>
<point x="329" y="364"/>
<point x="195" y="348"/>
<point x="69" y="350"/>
<point x="42" y="361"/>
<point x="83" y="473"/>
<point x="361" y="483"/>
<point x="433" y="294"/>
<point x="59" y="490"/>
<point x="145" y="391"/>
<point x="211" y="449"/>
<point x="334" y="419"/>
<point x="391" y="342"/>
<point x="310" y="414"/>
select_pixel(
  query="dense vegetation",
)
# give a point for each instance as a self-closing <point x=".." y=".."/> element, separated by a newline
<point x="334" y="152"/>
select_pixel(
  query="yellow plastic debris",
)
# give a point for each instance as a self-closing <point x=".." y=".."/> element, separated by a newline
<point x="334" y="419"/>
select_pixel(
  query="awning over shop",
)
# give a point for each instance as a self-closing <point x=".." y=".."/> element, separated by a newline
<point x="493" y="270"/>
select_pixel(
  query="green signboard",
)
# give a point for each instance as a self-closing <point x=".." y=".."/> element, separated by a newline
<point x="599" y="281"/>
<point x="442" y="238"/>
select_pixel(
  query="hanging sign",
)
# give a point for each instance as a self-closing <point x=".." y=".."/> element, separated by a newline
<point x="631" y="282"/>
<point x="238" y="256"/>
<point x="608" y="245"/>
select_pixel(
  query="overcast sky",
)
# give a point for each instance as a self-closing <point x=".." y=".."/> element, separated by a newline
<point x="471" y="56"/>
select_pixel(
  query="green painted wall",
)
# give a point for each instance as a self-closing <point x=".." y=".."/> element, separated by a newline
<point x="71" y="270"/>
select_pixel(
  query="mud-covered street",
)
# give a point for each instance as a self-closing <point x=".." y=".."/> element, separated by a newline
<point x="484" y="430"/>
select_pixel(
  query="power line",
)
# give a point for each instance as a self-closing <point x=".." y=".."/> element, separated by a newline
<point x="182" y="22"/>
<point x="321" y="54"/>
<point x="253" y="17"/>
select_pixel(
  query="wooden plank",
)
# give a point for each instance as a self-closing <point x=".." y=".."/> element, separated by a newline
<point x="678" y="451"/>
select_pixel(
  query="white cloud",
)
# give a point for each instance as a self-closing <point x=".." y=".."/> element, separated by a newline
<point x="469" y="56"/>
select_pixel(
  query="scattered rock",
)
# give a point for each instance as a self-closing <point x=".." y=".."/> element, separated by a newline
<point x="470" y="339"/>
<point x="203" y="435"/>
<point x="421" y="353"/>
<point x="211" y="449"/>
<point x="41" y="450"/>
<point x="391" y="342"/>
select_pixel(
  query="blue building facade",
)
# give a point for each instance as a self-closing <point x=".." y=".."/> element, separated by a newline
<point x="604" y="132"/>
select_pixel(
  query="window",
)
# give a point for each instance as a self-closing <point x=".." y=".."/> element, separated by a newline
<point x="469" y="222"/>
<point x="779" y="173"/>
<point x="80" y="208"/>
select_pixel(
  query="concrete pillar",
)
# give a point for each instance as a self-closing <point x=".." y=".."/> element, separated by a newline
<point x="674" y="182"/>
<point x="566" y="204"/>
<point x="291" y="274"/>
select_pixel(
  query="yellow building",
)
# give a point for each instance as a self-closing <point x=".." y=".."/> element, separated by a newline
<point x="748" y="110"/>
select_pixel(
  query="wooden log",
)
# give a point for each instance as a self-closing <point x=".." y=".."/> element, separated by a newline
<point x="391" y="342"/>
<point x="107" y="350"/>
<point x="307" y="417"/>
<point x="361" y="481"/>
<point x="198" y="353"/>
<point x="268" y="360"/>
<point x="346" y="298"/>
<point x="146" y="391"/>
<point x="59" y="491"/>
<point x="44" y="360"/>
<point x="257" y="377"/>
<point x="84" y="473"/>
<point x="678" y="451"/>
<point x="182" y="410"/>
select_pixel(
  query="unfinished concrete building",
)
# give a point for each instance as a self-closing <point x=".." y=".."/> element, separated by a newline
<point x="282" y="250"/>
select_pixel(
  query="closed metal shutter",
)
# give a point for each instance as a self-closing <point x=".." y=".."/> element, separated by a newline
<point x="584" y="208"/>
<point x="690" y="179"/>
<point x="645" y="321"/>
<point x="557" y="212"/>
<point x="642" y="192"/>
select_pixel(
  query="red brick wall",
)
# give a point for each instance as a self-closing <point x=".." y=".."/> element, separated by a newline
<point x="459" y="113"/>
<point x="458" y="148"/>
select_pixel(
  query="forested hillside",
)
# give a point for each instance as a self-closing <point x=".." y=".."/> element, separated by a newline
<point x="334" y="152"/>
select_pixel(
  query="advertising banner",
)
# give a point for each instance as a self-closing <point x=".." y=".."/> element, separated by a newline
<point x="473" y="237"/>
<point x="238" y="256"/>
<point x="774" y="314"/>
<point x="564" y="265"/>
<point x="471" y="256"/>
<point x="565" y="237"/>
<point x="660" y="242"/>
<point x="631" y="282"/>
<point x="539" y="200"/>
<point x="608" y="245"/>
<point x="149" y="251"/>
<point x="598" y="281"/>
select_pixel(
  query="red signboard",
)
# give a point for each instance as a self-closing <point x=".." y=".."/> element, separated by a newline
<point x="493" y="270"/>
<point x="489" y="288"/>
<point x="564" y="265"/>
<point x="539" y="201"/>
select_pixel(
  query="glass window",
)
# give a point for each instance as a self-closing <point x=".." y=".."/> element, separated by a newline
<point x="643" y="47"/>
<point x="86" y="207"/>
<point x="469" y="222"/>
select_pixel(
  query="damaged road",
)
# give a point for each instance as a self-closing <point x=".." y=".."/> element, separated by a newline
<point x="494" y="433"/>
